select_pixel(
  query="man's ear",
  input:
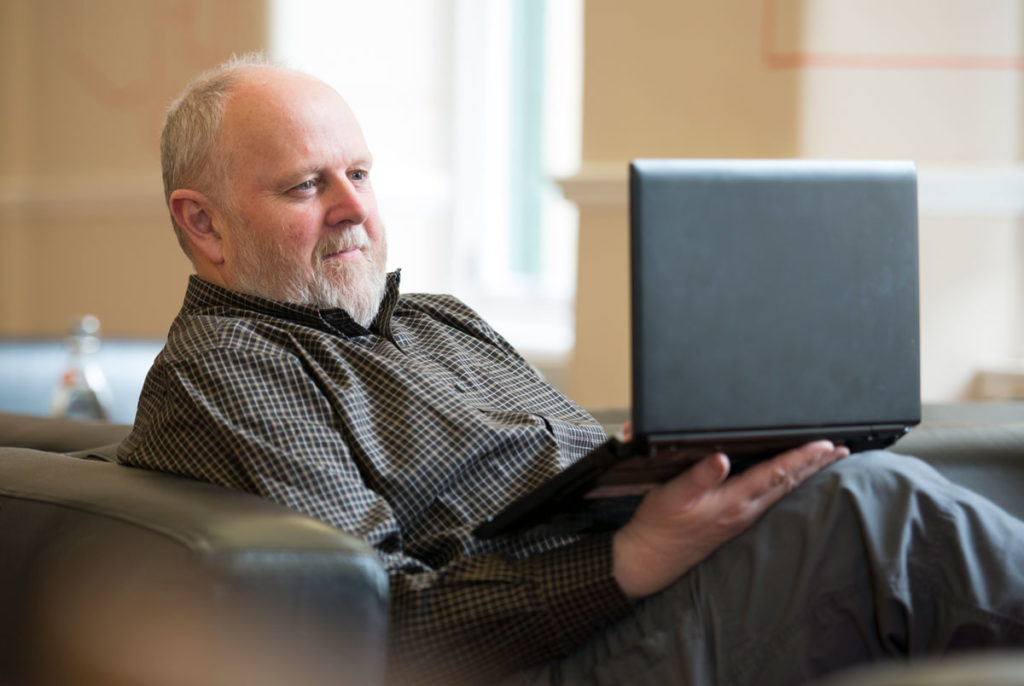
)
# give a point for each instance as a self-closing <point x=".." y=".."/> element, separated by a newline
<point x="193" y="213"/>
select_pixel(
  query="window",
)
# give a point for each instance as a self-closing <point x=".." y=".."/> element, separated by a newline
<point x="471" y="109"/>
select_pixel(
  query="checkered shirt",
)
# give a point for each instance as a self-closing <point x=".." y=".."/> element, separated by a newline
<point x="407" y="434"/>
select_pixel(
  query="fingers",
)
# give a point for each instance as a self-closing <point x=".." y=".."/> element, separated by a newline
<point x="683" y="520"/>
<point x="766" y="481"/>
<point x="627" y="431"/>
<point x="675" y="526"/>
<point x="770" y="480"/>
<point x="711" y="471"/>
<point x="689" y="485"/>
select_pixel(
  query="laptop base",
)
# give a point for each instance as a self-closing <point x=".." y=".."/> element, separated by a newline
<point x="601" y="491"/>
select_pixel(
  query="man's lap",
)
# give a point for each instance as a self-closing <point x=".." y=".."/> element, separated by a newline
<point x="833" y="575"/>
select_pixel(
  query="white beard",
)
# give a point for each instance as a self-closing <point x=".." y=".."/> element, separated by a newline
<point x="356" y="286"/>
<point x="359" y="297"/>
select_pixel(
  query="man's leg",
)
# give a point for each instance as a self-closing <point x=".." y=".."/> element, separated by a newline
<point x="877" y="556"/>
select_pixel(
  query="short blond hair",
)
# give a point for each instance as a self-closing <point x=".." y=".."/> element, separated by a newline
<point x="190" y="131"/>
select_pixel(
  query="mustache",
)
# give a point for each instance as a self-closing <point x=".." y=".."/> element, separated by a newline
<point x="354" y="237"/>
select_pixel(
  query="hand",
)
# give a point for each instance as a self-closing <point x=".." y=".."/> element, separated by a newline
<point x="682" y="521"/>
<point x="627" y="431"/>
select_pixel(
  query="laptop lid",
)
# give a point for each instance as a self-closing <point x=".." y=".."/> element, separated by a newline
<point x="773" y="295"/>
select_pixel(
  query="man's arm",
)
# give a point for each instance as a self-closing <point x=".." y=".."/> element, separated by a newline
<point x="684" y="520"/>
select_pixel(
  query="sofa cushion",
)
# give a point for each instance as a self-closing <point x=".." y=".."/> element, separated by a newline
<point x="106" y="568"/>
<point x="58" y="435"/>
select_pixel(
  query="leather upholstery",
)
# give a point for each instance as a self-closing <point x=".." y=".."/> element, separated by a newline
<point x="102" y="565"/>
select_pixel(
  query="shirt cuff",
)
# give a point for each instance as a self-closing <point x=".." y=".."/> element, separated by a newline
<point x="582" y="595"/>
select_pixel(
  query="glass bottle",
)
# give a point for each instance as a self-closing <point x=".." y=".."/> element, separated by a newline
<point x="83" y="392"/>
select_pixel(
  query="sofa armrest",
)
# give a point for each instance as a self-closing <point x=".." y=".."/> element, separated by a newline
<point x="982" y="453"/>
<point x="939" y="442"/>
<point x="57" y="434"/>
<point x="128" y="574"/>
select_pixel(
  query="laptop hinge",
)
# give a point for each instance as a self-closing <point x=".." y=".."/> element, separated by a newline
<point x="884" y="433"/>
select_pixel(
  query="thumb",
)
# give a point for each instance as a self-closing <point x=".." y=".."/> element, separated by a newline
<point x="712" y="470"/>
<point x="702" y="477"/>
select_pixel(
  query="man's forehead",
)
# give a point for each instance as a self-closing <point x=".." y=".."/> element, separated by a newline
<point x="273" y="113"/>
<point x="270" y="99"/>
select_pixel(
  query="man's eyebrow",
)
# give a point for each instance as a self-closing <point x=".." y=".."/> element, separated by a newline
<point x="286" y="178"/>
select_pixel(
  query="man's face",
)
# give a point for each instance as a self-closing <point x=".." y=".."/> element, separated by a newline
<point x="298" y="218"/>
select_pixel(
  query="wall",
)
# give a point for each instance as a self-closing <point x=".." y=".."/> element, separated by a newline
<point x="936" y="82"/>
<point x="661" y="79"/>
<point x="83" y="86"/>
<point x="83" y="227"/>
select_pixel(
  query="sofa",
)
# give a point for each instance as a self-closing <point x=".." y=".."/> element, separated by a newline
<point x="112" y="575"/>
<point x="115" y="575"/>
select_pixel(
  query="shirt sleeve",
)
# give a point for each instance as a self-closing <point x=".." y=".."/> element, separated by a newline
<point x="259" y="423"/>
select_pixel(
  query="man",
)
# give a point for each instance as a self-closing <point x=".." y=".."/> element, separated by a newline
<point x="296" y="371"/>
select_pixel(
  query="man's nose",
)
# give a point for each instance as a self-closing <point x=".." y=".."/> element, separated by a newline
<point x="347" y="204"/>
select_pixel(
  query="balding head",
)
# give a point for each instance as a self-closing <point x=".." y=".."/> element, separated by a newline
<point x="270" y="192"/>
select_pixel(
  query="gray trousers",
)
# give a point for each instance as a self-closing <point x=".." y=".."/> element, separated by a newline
<point x="877" y="556"/>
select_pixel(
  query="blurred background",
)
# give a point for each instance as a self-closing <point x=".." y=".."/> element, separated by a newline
<point x="502" y="130"/>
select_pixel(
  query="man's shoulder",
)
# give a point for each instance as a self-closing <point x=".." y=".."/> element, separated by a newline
<point x="199" y="333"/>
<point x="450" y="312"/>
<point x="438" y="305"/>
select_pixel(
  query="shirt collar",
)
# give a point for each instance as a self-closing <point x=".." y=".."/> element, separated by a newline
<point x="202" y="295"/>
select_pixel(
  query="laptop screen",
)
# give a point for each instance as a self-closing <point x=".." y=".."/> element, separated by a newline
<point x="773" y="294"/>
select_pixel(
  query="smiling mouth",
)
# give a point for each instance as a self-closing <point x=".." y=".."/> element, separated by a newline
<point x="345" y="247"/>
<point x="345" y="253"/>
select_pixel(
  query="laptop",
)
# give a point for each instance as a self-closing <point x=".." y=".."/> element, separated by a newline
<point x="774" y="302"/>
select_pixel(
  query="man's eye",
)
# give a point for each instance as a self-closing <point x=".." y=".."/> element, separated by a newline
<point x="359" y="175"/>
<point x="306" y="185"/>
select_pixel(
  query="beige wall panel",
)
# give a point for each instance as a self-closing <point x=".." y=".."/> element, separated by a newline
<point x="15" y="31"/>
<point x="664" y="79"/>
<point x="127" y="271"/>
<point x="970" y="300"/>
<point x="15" y="248"/>
<point x="82" y="222"/>
<point x="947" y="117"/>
<point x="600" y="375"/>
